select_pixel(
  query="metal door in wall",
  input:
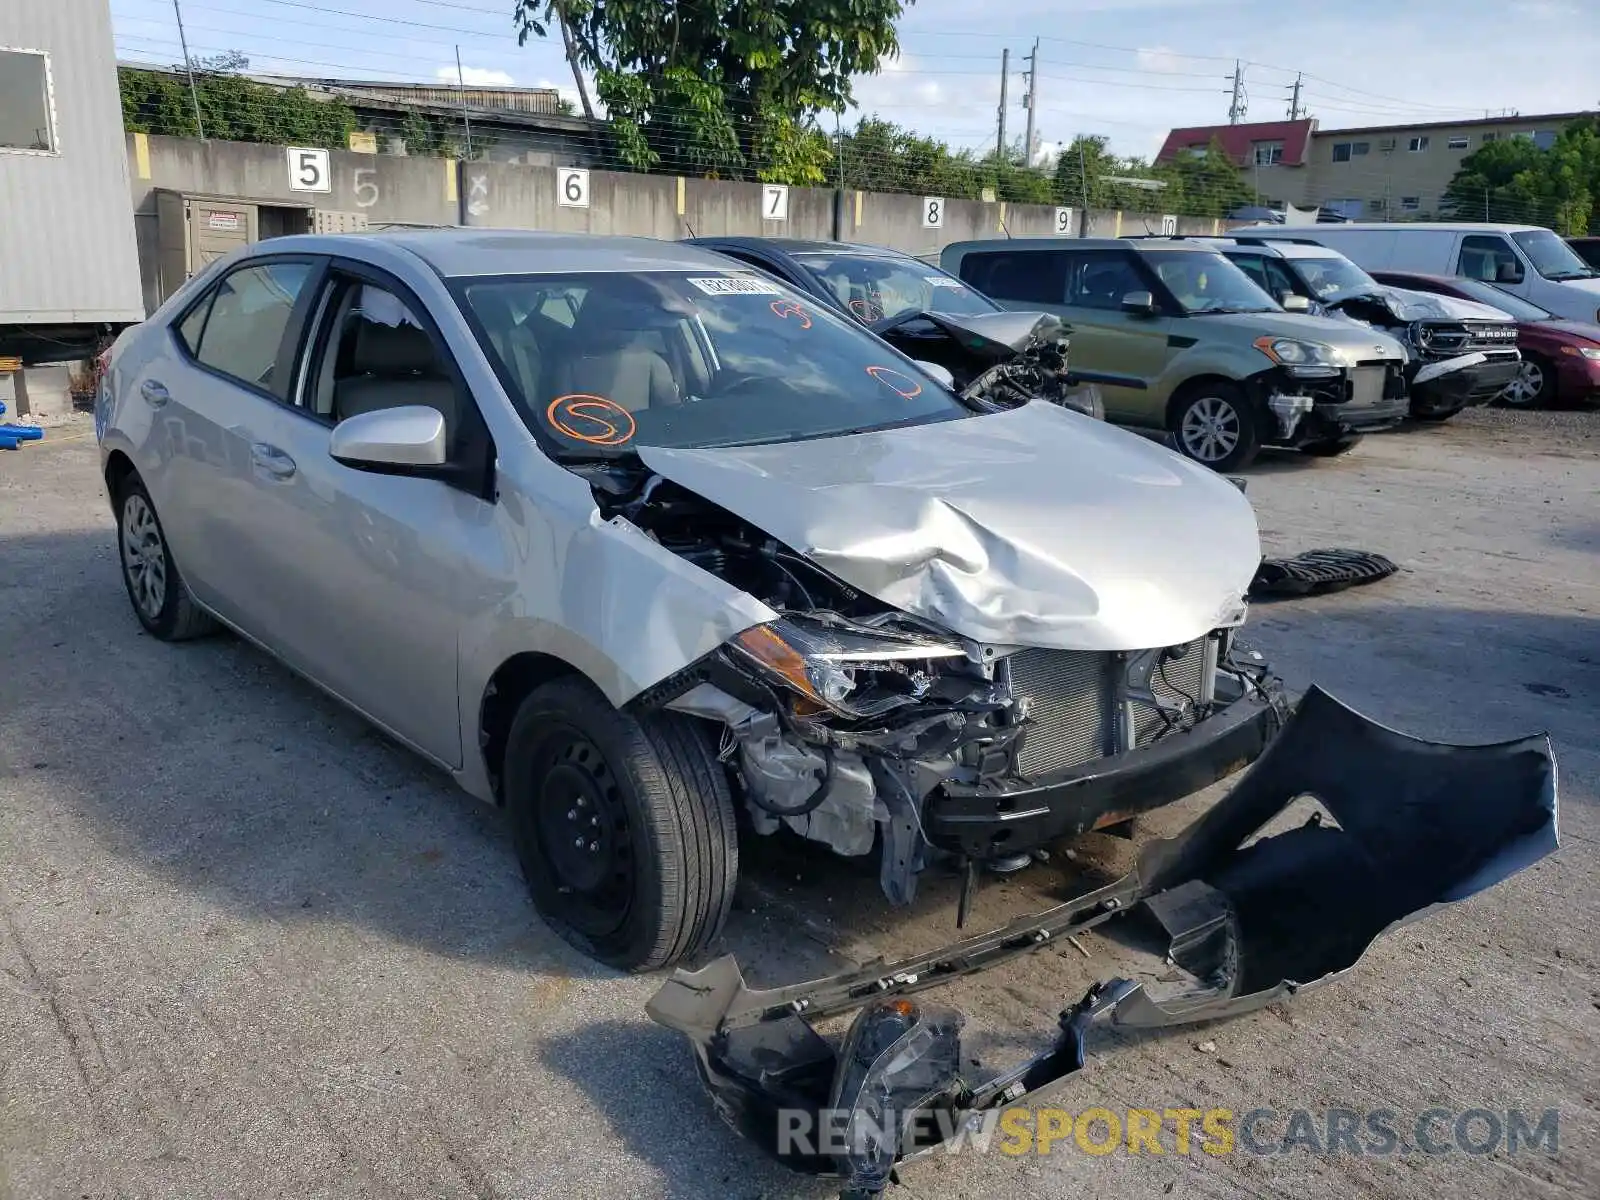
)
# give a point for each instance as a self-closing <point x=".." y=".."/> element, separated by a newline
<point x="217" y="228"/>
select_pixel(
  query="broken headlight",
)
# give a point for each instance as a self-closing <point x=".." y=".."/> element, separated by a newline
<point x="1304" y="360"/>
<point x="823" y="662"/>
<point x="897" y="1061"/>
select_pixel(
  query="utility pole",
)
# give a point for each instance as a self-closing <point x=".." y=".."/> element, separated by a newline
<point x="188" y="65"/>
<point x="1005" y="72"/>
<point x="1294" y="104"/>
<point x="1236" y="110"/>
<point x="466" y="121"/>
<point x="1083" y="182"/>
<point x="1030" y="100"/>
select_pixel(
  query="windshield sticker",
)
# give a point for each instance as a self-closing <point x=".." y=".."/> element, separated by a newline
<point x="593" y="419"/>
<point x="944" y="281"/>
<point x="896" y="381"/>
<point x="866" y="310"/>
<point x="731" y="285"/>
<point x="787" y="309"/>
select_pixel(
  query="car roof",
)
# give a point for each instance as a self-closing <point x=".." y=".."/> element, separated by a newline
<point x="1061" y="243"/>
<point x="1283" y="231"/>
<point x="455" y="252"/>
<point x="800" y="246"/>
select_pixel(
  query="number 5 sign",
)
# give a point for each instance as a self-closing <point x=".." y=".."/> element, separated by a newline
<point x="933" y="212"/>
<point x="572" y="187"/>
<point x="774" y="202"/>
<point x="308" y="170"/>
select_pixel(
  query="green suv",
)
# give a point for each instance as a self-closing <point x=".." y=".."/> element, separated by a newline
<point x="1198" y="348"/>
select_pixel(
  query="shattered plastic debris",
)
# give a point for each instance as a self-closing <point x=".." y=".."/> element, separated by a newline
<point x="1319" y="571"/>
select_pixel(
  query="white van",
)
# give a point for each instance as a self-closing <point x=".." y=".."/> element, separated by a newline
<point x="1531" y="262"/>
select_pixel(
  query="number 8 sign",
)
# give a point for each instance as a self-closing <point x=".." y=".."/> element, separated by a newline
<point x="572" y="187"/>
<point x="933" y="212"/>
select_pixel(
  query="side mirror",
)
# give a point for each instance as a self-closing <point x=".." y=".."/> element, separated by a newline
<point x="1294" y="303"/>
<point x="409" y="436"/>
<point x="942" y="374"/>
<point x="1140" y="304"/>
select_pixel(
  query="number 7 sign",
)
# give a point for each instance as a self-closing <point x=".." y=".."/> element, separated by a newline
<point x="774" y="202"/>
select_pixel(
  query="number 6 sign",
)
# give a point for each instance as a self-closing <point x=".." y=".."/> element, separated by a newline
<point x="308" y="170"/>
<point x="933" y="212"/>
<point x="572" y="187"/>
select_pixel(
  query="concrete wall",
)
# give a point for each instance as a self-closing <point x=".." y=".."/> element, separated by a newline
<point x="430" y="191"/>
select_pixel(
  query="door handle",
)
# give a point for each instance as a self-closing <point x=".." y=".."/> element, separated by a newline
<point x="155" y="393"/>
<point x="271" y="460"/>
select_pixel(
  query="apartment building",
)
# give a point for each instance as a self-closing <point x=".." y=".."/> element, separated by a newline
<point x="1372" y="173"/>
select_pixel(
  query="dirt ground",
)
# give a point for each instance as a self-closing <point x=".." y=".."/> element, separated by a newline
<point x="248" y="948"/>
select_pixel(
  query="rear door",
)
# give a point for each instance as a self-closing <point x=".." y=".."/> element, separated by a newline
<point x="213" y="396"/>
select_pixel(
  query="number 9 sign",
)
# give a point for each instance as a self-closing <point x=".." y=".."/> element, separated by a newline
<point x="933" y="212"/>
<point x="1063" y="226"/>
<point x="572" y="187"/>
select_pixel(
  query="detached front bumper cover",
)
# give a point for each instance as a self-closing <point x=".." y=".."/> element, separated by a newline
<point x="1415" y="825"/>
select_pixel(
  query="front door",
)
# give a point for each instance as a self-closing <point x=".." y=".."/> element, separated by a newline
<point x="1107" y="338"/>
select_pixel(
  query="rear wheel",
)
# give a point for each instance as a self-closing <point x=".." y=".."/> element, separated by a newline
<point x="1215" y="426"/>
<point x="159" y="596"/>
<point x="1535" y="385"/>
<point x="624" y="826"/>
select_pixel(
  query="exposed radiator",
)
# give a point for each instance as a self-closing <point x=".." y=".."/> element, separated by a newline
<point x="1073" y="702"/>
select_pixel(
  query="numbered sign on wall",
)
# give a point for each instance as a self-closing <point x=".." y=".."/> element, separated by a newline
<point x="933" y="212"/>
<point x="572" y="187"/>
<point x="1169" y="225"/>
<point x="308" y="170"/>
<point x="774" y="202"/>
<point x="1063" y="225"/>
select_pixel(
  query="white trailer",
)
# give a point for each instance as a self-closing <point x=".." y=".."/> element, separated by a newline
<point x="69" y="268"/>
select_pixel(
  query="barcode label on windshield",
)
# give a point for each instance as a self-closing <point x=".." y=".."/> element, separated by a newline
<point x="727" y="285"/>
<point x="944" y="281"/>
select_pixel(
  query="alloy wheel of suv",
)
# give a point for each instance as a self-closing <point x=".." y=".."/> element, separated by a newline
<point x="1215" y="426"/>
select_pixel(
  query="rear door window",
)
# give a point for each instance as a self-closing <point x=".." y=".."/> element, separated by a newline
<point x="250" y="311"/>
<point x="1025" y="277"/>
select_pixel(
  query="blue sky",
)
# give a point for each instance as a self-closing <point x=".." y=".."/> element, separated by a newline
<point x="1127" y="69"/>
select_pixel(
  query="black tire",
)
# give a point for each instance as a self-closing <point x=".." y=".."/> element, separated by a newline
<point x="1333" y="447"/>
<point x="654" y="882"/>
<point x="156" y="589"/>
<point x="1215" y="426"/>
<point x="1543" y="392"/>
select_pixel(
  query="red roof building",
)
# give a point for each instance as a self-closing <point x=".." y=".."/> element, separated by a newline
<point x="1262" y="143"/>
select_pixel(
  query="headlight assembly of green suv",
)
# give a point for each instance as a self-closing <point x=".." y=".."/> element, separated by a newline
<point x="1303" y="360"/>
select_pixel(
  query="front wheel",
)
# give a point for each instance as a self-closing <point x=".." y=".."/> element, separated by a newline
<point x="624" y="826"/>
<point x="1215" y="426"/>
<point x="1534" y="385"/>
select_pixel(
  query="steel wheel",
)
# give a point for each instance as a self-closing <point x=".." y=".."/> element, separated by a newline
<point x="144" y="556"/>
<point x="1528" y="387"/>
<point x="1210" y="430"/>
<point x="583" y="833"/>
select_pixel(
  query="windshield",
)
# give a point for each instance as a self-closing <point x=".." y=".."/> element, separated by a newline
<point x="1334" y="279"/>
<point x="602" y="363"/>
<point x="1551" y="256"/>
<point x="878" y="288"/>
<point x="1488" y="293"/>
<point x="1206" y="282"/>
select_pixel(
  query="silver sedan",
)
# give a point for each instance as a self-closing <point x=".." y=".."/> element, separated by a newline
<point x="645" y="547"/>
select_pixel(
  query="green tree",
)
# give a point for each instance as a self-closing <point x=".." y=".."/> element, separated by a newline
<point x="233" y="108"/>
<point x="725" y="88"/>
<point x="1513" y="179"/>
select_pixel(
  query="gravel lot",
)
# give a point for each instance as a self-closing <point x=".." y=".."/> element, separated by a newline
<point x="247" y="948"/>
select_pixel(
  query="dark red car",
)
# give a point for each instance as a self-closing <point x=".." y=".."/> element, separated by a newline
<point x="1560" y="359"/>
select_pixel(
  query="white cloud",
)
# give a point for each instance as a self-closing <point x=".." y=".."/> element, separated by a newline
<point x="475" y="77"/>
<point x="1162" y="60"/>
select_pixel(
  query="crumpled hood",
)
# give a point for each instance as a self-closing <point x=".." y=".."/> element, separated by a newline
<point x="1409" y="306"/>
<point x="1005" y="330"/>
<point x="1033" y="527"/>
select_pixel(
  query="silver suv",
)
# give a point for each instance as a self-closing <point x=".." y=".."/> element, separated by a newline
<point x="643" y="545"/>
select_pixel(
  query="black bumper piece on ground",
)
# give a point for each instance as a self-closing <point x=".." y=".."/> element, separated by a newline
<point x="1415" y="824"/>
<point x="1464" y="388"/>
<point x="984" y="822"/>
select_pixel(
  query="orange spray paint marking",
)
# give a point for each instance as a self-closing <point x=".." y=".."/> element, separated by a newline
<point x="896" y="381"/>
<point x="787" y="309"/>
<point x="588" y="418"/>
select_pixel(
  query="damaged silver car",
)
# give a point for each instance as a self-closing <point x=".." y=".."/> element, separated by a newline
<point x="644" y="546"/>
